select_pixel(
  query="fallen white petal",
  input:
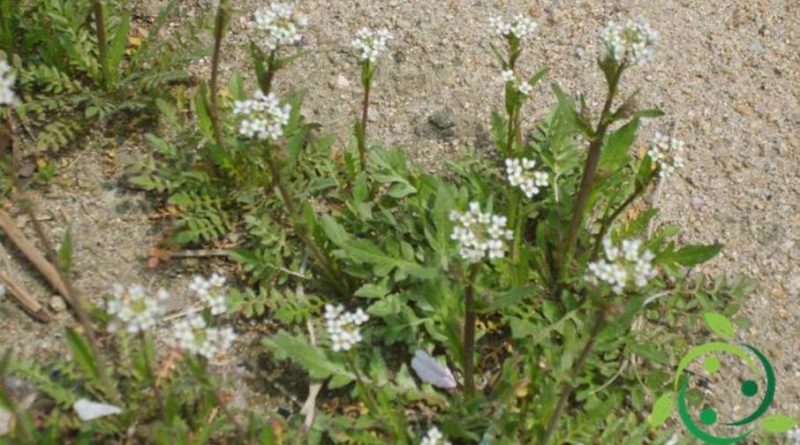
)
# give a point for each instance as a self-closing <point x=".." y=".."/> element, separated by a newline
<point x="88" y="410"/>
<point x="430" y="371"/>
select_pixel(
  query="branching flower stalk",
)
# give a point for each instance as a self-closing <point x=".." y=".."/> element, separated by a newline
<point x="102" y="42"/>
<point x="151" y="374"/>
<point x="589" y="172"/>
<point x="370" y="45"/>
<point x="221" y="23"/>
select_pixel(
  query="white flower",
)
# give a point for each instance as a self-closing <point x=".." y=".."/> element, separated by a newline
<point x="370" y="44"/>
<point x="279" y="26"/>
<point x="667" y="152"/>
<point x="793" y="436"/>
<point x="525" y="88"/>
<point x="343" y="327"/>
<point x="262" y="116"/>
<point x="194" y="336"/>
<point x="480" y="234"/>
<point x="209" y="291"/>
<point x="520" y="174"/>
<point x="507" y="76"/>
<point x="623" y="265"/>
<point x="434" y="437"/>
<point x="519" y="27"/>
<point x="133" y="309"/>
<point x="7" y="80"/>
<point x="631" y="43"/>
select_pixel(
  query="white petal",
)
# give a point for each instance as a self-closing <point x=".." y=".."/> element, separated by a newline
<point x="88" y="410"/>
<point x="430" y="371"/>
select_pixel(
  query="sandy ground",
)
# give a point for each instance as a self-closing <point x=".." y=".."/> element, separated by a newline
<point x="726" y="72"/>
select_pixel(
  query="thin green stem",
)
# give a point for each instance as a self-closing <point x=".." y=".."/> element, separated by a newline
<point x="589" y="173"/>
<point x="468" y="353"/>
<point x="567" y="387"/>
<point x="219" y="35"/>
<point x="319" y="257"/>
<point x="102" y="42"/>
<point x="362" y="141"/>
<point x="266" y="86"/>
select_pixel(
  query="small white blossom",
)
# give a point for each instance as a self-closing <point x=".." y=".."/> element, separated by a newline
<point x="279" y="26"/>
<point x="667" y="152"/>
<point x="343" y="327"/>
<point x="623" y="265"/>
<point x="793" y="436"/>
<point x="631" y="43"/>
<point x="519" y="27"/>
<point x="133" y="309"/>
<point x="507" y="76"/>
<point x="520" y="174"/>
<point x="370" y="44"/>
<point x="262" y="116"/>
<point x="434" y="437"/>
<point x="7" y="80"/>
<point x="480" y="234"/>
<point x="209" y="291"/>
<point x="193" y="335"/>
<point x="525" y="88"/>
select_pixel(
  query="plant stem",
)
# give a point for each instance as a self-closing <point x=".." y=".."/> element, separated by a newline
<point x="319" y="257"/>
<point x="102" y="42"/>
<point x="468" y="353"/>
<point x="362" y="141"/>
<point x="266" y="87"/>
<point x="567" y="387"/>
<point x="150" y="372"/>
<point x="607" y="221"/>
<point x="219" y="34"/>
<point x="589" y="173"/>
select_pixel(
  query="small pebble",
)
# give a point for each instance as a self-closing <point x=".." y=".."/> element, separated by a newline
<point x="57" y="304"/>
<point x="341" y="82"/>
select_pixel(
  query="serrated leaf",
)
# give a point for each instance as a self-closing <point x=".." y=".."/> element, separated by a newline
<point x="778" y="423"/>
<point x="334" y="231"/>
<point x="616" y="151"/>
<point x="693" y="255"/>
<point x="372" y="290"/>
<point x="719" y="324"/>
<point x="662" y="409"/>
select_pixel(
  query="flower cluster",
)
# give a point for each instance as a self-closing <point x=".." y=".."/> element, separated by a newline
<point x="793" y="436"/>
<point x="343" y="327"/>
<point x="7" y="80"/>
<point x="667" y="152"/>
<point x="481" y="234"/>
<point x="623" y="264"/>
<point x="196" y="337"/>
<point x="279" y="24"/>
<point x="523" y="87"/>
<point x="208" y="291"/>
<point x="631" y="43"/>
<point x="520" y="174"/>
<point x="370" y="44"/>
<point x="520" y="27"/>
<point x="262" y="116"/>
<point x="434" y="437"/>
<point x="133" y="309"/>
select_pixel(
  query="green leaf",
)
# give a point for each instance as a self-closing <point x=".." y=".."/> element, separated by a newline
<point x="509" y="298"/>
<point x="693" y="255"/>
<point x="65" y="251"/>
<point x="616" y="151"/>
<point x="82" y="354"/>
<point x="662" y="409"/>
<point x="719" y="324"/>
<point x="117" y="46"/>
<point x="365" y="251"/>
<point x="372" y="291"/>
<point x="310" y="357"/>
<point x="538" y="76"/>
<point x="778" y="423"/>
<point x="652" y="112"/>
<point x="334" y="231"/>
